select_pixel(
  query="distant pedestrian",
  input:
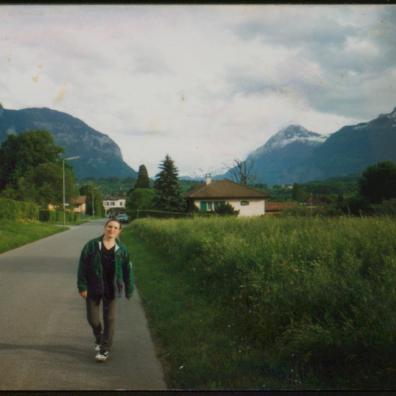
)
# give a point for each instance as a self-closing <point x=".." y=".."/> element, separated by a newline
<point x="104" y="270"/>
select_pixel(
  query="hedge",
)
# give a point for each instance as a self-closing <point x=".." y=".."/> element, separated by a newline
<point x="18" y="210"/>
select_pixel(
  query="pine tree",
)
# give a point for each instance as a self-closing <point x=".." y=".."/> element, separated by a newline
<point x="168" y="190"/>
<point x="143" y="180"/>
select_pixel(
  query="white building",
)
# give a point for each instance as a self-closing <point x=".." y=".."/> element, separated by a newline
<point x="248" y="201"/>
<point x="80" y="204"/>
<point x="114" y="203"/>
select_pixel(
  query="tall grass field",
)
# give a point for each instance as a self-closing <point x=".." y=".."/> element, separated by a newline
<point x="314" y="298"/>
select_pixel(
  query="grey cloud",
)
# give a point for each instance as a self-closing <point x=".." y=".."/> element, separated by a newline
<point x="383" y="34"/>
<point x="143" y="133"/>
<point x="150" y="65"/>
<point x="251" y="86"/>
<point x="324" y="37"/>
<point x="291" y="32"/>
<point x="349" y="78"/>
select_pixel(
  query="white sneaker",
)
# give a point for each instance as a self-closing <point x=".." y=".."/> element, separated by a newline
<point x="102" y="356"/>
<point x="97" y="347"/>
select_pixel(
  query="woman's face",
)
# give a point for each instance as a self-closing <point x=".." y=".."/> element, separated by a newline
<point x="112" y="229"/>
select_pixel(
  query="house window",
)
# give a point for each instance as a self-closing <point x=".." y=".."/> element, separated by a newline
<point x="208" y="206"/>
<point x="244" y="203"/>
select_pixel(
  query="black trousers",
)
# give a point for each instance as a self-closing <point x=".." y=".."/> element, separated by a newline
<point x="105" y="337"/>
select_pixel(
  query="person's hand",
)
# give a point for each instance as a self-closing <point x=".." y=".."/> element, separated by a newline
<point x="84" y="294"/>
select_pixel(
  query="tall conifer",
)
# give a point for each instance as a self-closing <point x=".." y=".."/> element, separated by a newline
<point x="143" y="180"/>
<point x="168" y="190"/>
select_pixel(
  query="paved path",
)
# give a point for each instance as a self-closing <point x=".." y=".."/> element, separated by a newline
<point x="45" y="340"/>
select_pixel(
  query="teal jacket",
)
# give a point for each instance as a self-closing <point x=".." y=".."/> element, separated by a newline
<point x="90" y="276"/>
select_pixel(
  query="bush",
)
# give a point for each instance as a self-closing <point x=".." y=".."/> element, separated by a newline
<point x="317" y="296"/>
<point x="56" y="216"/>
<point x="139" y="200"/>
<point x="18" y="210"/>
<point x="386" y="208"/>
<point x="225" y="208"/>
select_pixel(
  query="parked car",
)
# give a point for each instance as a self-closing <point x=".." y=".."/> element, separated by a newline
<point x="122" y="217"/>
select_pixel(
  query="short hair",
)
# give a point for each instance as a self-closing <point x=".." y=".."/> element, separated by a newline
<point x="113" y="219"/>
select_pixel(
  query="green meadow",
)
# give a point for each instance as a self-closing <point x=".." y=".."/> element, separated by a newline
<point x="270" y="303"/>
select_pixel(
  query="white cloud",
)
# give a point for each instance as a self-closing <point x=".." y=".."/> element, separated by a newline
<point x="205" y="84"/>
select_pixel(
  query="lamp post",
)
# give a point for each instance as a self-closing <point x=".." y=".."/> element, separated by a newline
<point x="93" y="204"/>
<point x="64" y="187"/>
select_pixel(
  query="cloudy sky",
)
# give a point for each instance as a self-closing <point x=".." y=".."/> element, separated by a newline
<point x="204" y="83"/>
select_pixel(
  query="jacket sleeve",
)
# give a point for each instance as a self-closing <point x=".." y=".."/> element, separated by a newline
<point x="128" y="275"/>
<point x="82" y="281"/>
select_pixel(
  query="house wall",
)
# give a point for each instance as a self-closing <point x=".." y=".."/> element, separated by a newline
<point x="256" y="207"/>
<point x="111" y="203"/>
<point x="81" y="209"/>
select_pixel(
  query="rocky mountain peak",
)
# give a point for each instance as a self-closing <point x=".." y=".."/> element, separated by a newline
<point x="290" y="134"/>
<point x="99" y="155"/>
<point x="390" y="116"/>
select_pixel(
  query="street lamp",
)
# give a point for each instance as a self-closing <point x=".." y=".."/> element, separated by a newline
<point x="93" y="203"/>
<point x="64" y="188"/>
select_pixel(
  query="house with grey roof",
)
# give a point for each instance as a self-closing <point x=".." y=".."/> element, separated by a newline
<point x="206" y="197"/>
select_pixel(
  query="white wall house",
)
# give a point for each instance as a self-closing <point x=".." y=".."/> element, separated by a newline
<point x="116" y="203"/>
<point x="248" y="201"/>
<point x="80" y="204"/>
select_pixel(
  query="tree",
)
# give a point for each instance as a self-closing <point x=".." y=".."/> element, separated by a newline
<point x="243" y="172"/>
<point x="31" y="169"/>
<point x="44" y="184"/>
<point x="168" y="190"/>
<point x="21" y="153"/>
<point x="139" y="199"/>
<point x="378" y="182"/>
<point x="299" y="193"/>
<point x="143" y="180"/>
<point x="93" y="196"/>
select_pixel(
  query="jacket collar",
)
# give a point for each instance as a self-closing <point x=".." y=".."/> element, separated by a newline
<point x="117" y="246"/>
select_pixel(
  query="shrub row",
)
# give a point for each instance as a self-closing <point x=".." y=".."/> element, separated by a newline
<point x="18" y="210"/>
<point x="56" y="216"/>
<point x="317" y="296"/>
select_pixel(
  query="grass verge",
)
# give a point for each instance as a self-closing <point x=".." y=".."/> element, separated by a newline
<point x="195" y="340"/>
<point x="14" y="234"/>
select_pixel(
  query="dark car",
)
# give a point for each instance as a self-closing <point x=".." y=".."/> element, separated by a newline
<point x="122" y="217"/>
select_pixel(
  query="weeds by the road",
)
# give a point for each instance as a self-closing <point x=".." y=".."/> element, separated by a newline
<point x="310" y="301"/>
<point x="14" y="234"/>
<point x="198" y="347"/>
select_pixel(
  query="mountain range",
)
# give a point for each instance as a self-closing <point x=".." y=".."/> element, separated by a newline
<point x="99" y="155"/>
<point x="296" y="155"/>
<point x="293" y="155"/>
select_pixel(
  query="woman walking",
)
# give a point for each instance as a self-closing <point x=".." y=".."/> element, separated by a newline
<point x="104" y="270"/>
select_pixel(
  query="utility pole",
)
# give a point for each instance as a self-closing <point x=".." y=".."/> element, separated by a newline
<point x="64" y="186"/>
<point x="93" y="203"/>
<point x="64" y="193"/>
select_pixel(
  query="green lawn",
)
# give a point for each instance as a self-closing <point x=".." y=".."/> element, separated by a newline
<point x="14" y="234"/>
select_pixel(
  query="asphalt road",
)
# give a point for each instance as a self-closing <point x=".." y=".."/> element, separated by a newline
<point x="45" y="340"/>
